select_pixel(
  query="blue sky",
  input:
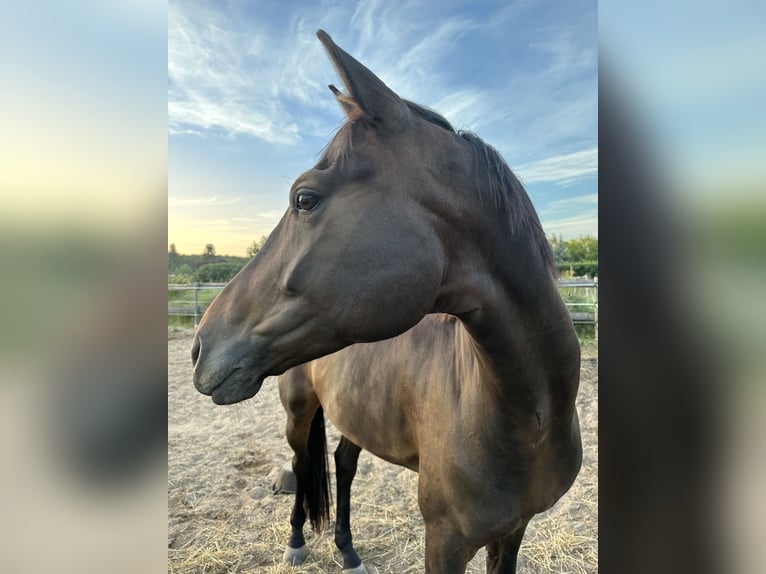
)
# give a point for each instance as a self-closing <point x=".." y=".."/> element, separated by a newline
<point x="249" y="109"/>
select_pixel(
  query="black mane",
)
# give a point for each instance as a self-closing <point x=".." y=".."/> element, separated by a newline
<point x="502" y="186"/>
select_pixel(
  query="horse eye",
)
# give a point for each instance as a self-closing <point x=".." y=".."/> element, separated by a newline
<point x="305" y="201"/>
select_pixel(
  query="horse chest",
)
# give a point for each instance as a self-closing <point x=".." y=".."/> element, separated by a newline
<point x="492" y="475"/>
<point x="471" y="494"/>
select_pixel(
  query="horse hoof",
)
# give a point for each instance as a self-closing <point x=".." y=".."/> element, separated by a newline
<point x="358" y="570"/>
<point x="286" y="482"/>
<point x="295" y="556"/>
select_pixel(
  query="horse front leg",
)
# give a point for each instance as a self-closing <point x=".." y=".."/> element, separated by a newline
<point x="447" y="551"/>
<point x="346" y="457"/>
<point x="301" y="404"/>
<point x="502" y="554"/>
<point x="297" y="431"/>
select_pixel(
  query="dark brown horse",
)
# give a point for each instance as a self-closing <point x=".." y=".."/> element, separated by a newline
<point x="402" y="218"/>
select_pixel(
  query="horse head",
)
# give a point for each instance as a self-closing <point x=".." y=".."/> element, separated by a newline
<point x="360" y="255"/>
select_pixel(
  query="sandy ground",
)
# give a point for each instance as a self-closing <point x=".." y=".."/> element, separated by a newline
<point x="223" y="516"/>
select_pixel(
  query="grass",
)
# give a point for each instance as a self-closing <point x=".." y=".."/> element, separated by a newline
<point x="586" y="333"/>
<point x="210" y="552"/>
<point x="552" y="545"/>
<point x="177" y="322"/>
<point x="181" y="296"/>
<point x="388" y="540"/>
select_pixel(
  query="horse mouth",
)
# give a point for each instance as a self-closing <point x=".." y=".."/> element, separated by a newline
<point x="236" y="387"/>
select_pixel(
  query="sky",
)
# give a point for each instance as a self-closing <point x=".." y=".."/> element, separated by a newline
<point x="249" y="109"/>
<point x="694" y="77"/>
<point x="83" y="115"/>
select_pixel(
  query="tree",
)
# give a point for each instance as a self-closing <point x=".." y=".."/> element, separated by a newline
<point x="576" y="257"/>
<point x="559" y="247"/>
<point x="583" y="248"/>
<point x="209" y="250"/>
<point x="172" y="258"/>
<point x="256" y="246"/>
<point x="184" y="269"/>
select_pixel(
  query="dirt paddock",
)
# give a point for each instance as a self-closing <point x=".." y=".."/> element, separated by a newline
<point x="223" y="517"/>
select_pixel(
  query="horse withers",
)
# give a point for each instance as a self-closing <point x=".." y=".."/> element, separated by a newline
<point x="403" y="219"/>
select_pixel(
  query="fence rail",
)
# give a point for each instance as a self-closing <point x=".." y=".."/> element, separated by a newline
<point x="201" y="294"/>
<point x="193" y="306"/>
<point x="583" y="312"/>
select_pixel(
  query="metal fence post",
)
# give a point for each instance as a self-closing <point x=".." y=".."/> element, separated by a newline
<point x="595" y="305"/>
<point x="196" y="304"/>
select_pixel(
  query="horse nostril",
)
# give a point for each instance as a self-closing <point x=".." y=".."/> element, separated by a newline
<point x="195" y="350"/>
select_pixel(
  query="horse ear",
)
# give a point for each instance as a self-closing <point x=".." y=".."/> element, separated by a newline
<point x="378" y="102"/>
<point x="350" y="105"/>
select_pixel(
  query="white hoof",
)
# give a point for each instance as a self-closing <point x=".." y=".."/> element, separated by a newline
<point x="358" y="570"/>
<point x="295" y="556"/>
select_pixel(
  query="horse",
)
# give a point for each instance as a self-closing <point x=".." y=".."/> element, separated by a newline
<point x="409" y="293"/>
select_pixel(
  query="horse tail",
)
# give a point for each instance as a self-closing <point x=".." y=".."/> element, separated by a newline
<point x="317" y="495"/>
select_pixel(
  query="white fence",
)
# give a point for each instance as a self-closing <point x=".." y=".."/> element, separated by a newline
<point x="194" y="298"/>
<point x="582" y="312"/>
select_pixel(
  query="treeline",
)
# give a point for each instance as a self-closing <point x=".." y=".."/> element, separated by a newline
<point x="574" y="258"/>
<point x="207" y="267"/>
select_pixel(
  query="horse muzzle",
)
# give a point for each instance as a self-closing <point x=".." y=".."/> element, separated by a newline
<point x="228" y="377"/>
<point x="238" y="386"/>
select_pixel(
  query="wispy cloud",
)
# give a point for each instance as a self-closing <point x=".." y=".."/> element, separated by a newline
<point x="580" y="201"/>
<point x="466" y="108"/>
<point x="569" y="227"/>
<point x="571" y="216"/>
<point x="233" y="74"/>
<point x="211" y="79"/>
<point x="562" y="169"/>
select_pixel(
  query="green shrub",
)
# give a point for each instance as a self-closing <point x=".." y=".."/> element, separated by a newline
<point x="578" y="268"/>
<point x="216" y="272"/>
<point x="179" y="278"/>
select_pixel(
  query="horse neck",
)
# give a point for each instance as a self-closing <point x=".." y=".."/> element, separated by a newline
<point x="519" y="328"/>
